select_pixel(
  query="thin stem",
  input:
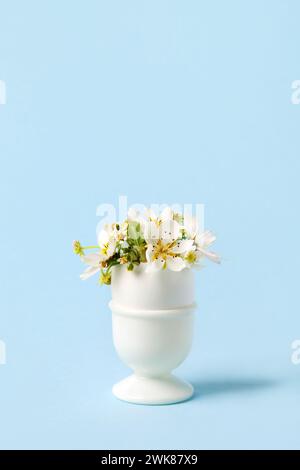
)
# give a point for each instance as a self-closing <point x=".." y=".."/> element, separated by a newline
<point x="90" y="247"/>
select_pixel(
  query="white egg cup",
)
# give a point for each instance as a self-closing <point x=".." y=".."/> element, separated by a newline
<point x="152" y="318"/>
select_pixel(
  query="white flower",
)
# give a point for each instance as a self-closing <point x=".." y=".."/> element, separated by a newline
<point x="107" y="243"/>
<point x="166" y="214"/>
<point x="202" y="242"/>
<point x="190" y="226"/>
<point x="168" y="230"/>
<point x="149" y="216"/>
<point x="116" y="231"/>
<point x="164" y="249"/>
<point x="94" y="261"/>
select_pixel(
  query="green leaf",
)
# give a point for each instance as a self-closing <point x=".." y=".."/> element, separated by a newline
<point x="134" y="230"/>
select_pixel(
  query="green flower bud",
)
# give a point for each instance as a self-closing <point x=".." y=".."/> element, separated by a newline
<point x="77" y="248"/>
<point x="105" y="278"/>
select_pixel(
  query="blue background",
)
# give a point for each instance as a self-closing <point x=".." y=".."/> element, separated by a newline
<point x="162" y="101"/>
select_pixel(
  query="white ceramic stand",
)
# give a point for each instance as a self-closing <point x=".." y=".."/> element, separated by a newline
<point x="153" y="391"/>
<point x="152" y="317"/>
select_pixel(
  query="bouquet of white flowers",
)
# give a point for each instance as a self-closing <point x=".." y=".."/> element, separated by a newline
<point x="165" y="241"/>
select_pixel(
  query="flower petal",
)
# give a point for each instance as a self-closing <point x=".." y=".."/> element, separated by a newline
<point x="151" y="231"/>
<point x="175" y="263"/>
<point x="169" y="230"/>
<point x="149" y="253"/>
<point x="205" y="239"/>
<point x="166" y="214"/>
<point x="183" y="246"/>
<point x="190" y="224"/>
<point x="90" y="271"/>
<point x="133" y="215"/>
<point x="150" y="215"/>
<point x="93" y="259"/>
<point x="111" y="248"/>
<point x="103" y="237"/>
<point x="109" y="229"/>
<point x="210" y="255"/>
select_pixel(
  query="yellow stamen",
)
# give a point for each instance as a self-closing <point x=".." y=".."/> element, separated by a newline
<point x="163" y="250"/>
<point x="104" y="249"/>
<point x="191" y="257"/>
